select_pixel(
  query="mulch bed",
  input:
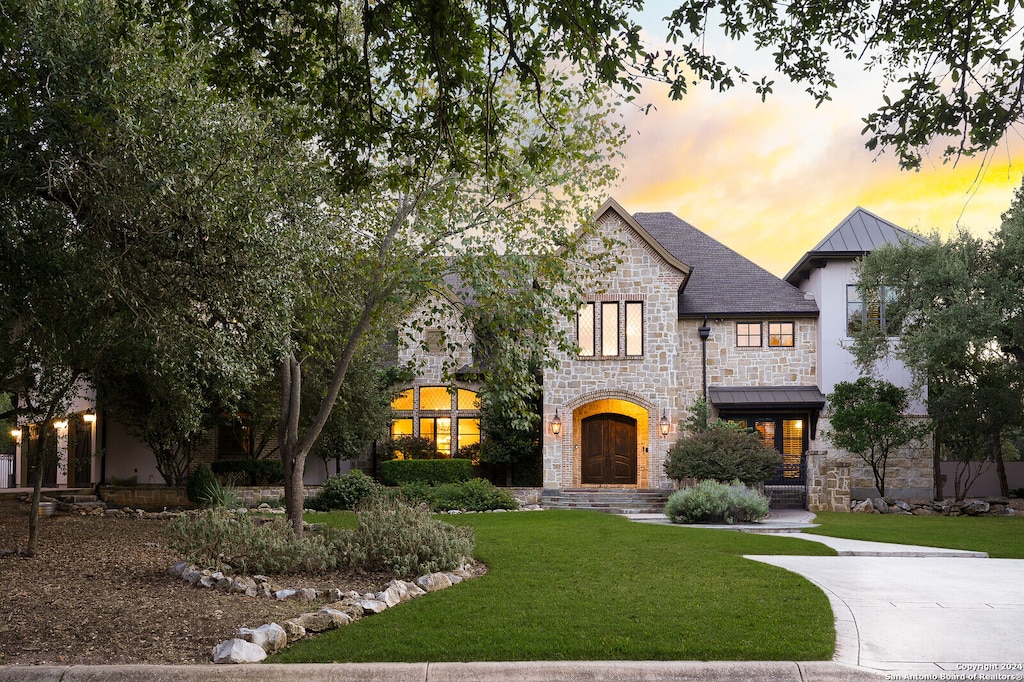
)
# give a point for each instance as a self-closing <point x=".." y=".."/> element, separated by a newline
<point x="99" y="591"/>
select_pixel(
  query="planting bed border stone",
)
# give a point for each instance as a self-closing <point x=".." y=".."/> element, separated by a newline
<point x="996" y="506"/>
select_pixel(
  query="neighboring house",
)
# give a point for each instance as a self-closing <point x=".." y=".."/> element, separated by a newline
<point x="827" y="272"/>
<point x="426" y="408"/>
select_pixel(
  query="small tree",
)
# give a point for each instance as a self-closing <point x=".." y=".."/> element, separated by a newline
<point x="869" y="420"/>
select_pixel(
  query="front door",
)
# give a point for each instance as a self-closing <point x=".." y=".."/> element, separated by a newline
<point x="608" y="443"/>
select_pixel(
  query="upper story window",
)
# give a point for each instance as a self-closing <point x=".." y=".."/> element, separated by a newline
<point x="781" y="334"/>
<point x="634" y="328"/>
<point x="609" y="329"/>
<point x="585" y="330"/>
<point x="748" y="334"/>
<point x="601" y="329"/>
<point x="870" y="314"/>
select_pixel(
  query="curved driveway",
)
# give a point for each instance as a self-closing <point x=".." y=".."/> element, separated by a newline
<point x="920" y="610"/>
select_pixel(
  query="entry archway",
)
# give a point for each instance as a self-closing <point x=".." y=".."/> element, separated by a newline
<point x="609" y="452"/>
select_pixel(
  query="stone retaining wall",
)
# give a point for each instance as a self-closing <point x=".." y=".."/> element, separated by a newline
<point x="155" y="497"/>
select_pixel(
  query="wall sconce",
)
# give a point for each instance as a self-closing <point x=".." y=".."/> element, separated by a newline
<point x="16" y="435"/>
<point x="556" y="424"/>
<point x="665" y="425"/>
<point x="61" y="425"/>
<point x="89" y="417"/>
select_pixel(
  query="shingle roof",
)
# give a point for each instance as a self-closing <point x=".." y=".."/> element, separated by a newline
<point x="860" y="232"/>
<point x="721" y="281"/>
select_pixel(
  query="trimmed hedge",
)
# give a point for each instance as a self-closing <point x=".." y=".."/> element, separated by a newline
<point x="254" y="471"/>
<point x="429" y="471"/>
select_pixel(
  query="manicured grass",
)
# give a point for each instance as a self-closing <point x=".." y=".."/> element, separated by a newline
<point x="572" y="585"/>
<point x="999" y="536"/>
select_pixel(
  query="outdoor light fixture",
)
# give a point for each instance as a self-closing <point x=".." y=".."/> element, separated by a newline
<point x="665" y="425"/>
<point x="61" y="425"/>
<point x="556" y="424"/>
<point x="16" y="434"/>
<point x="89" y="417"/>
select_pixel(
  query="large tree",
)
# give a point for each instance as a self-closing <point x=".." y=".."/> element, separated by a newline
<point x="147" y="219"/>
<point x="959" y="308"/>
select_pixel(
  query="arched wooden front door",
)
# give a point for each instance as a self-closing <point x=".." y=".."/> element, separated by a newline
<point x="608" y="444"/>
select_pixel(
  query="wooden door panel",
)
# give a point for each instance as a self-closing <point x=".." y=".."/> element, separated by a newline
<point x="608" y="450"/>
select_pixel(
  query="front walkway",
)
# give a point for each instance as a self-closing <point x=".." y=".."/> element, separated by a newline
<point x="907" y="609"/>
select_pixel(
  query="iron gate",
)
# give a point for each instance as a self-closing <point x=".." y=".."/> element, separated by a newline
<point x="7" y="470"/>
<point x="788" y="490"/>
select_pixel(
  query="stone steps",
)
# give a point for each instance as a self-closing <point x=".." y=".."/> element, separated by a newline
<point x="609" y="501"/>
<point x="69" y="502"/>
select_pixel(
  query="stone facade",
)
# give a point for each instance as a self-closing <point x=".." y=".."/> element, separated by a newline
<point x="668" y="377"/>
<point x="828" y="483"/>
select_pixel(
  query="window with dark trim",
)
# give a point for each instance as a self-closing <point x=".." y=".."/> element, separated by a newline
<point x="634" y="328"/>
<point x="861" y="315"/>
<point x="585" y="330"/>
<point x="610" y="328"/>
<point x="748" y="334"/>
<point x="781" y="334"/>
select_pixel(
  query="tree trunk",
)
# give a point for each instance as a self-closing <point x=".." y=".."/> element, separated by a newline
<point x="937" y="466"/>
<point x="37" y="494"/>
<point x="997" y="449"/>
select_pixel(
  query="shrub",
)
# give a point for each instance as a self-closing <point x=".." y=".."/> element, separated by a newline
<point x="217" y="538"/>
<point x="722" y="453"/>
<point x="202" y="485"/>
<point x="344" y="492"/>
<point x="415" y="447"/>
<point x="429" y="471"/>
<point x="404" y="539"/>
<point x="249" y="471"/>
<point x="474" y="495"/>
<point x="714" y="502"/>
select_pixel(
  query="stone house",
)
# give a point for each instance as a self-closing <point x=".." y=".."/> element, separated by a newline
<point x="683" y="317"/>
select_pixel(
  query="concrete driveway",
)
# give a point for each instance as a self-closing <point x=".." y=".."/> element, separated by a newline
<point x="920" y="610"/>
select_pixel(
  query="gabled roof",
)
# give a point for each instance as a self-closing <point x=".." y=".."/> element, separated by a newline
<point x="722" y="282"/>
<point x="859" y="233"/>
<point x="669" y="257"/>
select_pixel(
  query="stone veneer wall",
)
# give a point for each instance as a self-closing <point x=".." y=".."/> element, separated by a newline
<point x="828" y="483"/>
<point x="909" y="473"/>
<point x="161" y="497"/>
<point x="650" y="383"/>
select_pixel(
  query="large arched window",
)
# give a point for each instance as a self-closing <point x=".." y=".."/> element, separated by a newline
<point x="450" y="419"/>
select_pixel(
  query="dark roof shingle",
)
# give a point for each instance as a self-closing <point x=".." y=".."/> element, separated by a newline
<point x="721" y="281"/>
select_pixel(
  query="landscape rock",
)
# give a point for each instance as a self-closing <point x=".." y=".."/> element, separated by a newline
<point x="315" y="622"/>
<point x="338" y="618"/>
<point x="271" y="637"/>
<point x="863" y="507"/>
<point x="433" y="582"/>
<point x="179" y="568"/>
<point x="372" y="606"/>
<point x="238" y="651"/>
<point x="281" y="595"/>
<point x="294" y="629"/>
<point x="880" y="505"/>
<point x="307" y="594"/>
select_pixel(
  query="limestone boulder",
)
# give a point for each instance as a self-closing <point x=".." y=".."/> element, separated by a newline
<point x="271" y="637"/>
<point x="370" y="606"/>
<point x="433" y="582"/>
<point x="337" y="617"/>
<point x="238" y="651"/>
<point x="316" y="622"/>
<point x="294" y="629"/>
<point x="864" y="507"/>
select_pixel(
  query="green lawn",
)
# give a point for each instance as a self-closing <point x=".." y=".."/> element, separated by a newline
<point x="572" y="585"/>
<point x="999" y="536"/>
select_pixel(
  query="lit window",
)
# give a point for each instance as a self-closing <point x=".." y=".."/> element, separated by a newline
<point x="403" y="401"/>
<point x="634" y="328"/>
<point x="469" y="432"/>
<point x="585" y="330"/>
<point x="468" y="400"/>
<point x="609" y="329"/>
<point x="872" y="315"/>
<point x="435" y="398"/>
<point x="439" y="430"/>
<point x="748" y="334"/>
<point x="780" y="334"/>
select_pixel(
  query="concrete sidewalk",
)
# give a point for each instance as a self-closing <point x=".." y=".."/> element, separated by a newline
<point x="540" y="671"/>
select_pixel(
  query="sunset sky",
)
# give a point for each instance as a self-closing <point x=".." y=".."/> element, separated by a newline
<point x="771" y="179"/>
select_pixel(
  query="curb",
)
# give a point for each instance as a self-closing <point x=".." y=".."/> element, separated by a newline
<point x="527" y="671"/>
